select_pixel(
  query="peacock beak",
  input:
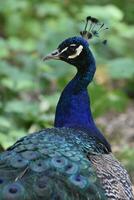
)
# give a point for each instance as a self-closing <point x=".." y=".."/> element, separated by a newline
<point x="54" y="55"/>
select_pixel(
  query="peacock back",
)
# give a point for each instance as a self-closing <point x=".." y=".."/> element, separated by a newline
<point x="51" y="164"/>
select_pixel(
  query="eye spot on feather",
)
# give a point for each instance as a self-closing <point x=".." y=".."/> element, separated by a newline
<point x="59" y="162"/>
<point x="13" y="191"/>
<point x="42" y="187"/>
<point x="18" y="162"/>
<point x="77" y="52"/>
<point x="38" y="166"/>
<point x="1" y="181"/>
<point x="42" y="183"/>
<point x="79" y="181"/>
<point x="71" y="168"/>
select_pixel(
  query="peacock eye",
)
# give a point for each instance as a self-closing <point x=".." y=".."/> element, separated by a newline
<point x="72" y="49"/>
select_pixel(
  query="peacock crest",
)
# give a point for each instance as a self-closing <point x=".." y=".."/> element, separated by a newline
<point x="93" y="27"/>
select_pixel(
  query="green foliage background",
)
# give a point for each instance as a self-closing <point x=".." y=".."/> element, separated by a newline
<point x="29" y="88"/>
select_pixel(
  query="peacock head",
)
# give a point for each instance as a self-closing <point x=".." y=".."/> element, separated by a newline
<point x="75" y="50"/>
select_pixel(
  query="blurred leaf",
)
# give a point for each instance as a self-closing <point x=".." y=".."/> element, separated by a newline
<point x="5" y="52"/>
<point x="111" y="11"/>
<point x="121" y="68"/>
<point x="22" y="107"/>
<point x="4" y="123"/>
<point x="103" y="100"/>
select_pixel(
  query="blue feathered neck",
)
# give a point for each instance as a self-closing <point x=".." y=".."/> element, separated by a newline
<point x="73" y="109"/>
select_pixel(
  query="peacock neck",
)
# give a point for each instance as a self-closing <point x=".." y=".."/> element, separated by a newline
<point x="73" y="109"/>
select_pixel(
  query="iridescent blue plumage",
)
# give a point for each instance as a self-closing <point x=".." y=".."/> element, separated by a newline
<point x="73" y="109"/>
<point x="56" y="159"/>
<point x="73" y="160"/>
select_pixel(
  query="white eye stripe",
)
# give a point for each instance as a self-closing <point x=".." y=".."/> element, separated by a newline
<point x="72" y="45"/>
<point x="78" y="51"/>
<point x="64" y="50"/>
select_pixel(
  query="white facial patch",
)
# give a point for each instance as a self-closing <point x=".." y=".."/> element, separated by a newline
<point x="72" y="45"/>
<point x="64" y="50"/>
<point x="77" y="53"/>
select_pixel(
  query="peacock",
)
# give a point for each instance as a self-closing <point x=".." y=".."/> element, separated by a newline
<point x="73" y="160"/>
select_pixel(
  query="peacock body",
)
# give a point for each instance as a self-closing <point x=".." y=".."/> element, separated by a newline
<point x="50" y="164"/>
<point x="73" y="160"/>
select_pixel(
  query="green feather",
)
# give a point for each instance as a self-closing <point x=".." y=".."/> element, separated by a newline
<point x="50" y="164"/>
